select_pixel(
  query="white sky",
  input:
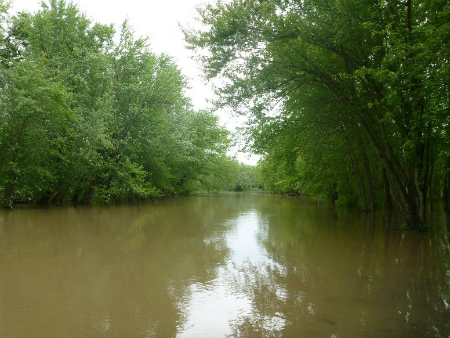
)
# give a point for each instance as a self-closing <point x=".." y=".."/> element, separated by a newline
<point x="159" y="20"/>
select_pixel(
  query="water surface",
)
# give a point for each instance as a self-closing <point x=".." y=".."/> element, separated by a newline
<point x="239" y="265"/>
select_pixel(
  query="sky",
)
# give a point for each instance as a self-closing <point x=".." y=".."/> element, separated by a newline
<point x="158" y="20"/>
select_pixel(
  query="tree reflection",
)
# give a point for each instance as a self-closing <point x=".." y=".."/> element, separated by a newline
<point x="120" y="271"/>
<point x="281" y="267"/>
<point x="336" y="275"/>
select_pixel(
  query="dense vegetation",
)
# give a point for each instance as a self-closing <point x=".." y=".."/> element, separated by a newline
<point x="86" y="119"/>
<point x="347" y="99"/>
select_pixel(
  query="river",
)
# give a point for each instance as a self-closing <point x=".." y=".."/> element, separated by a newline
<point x="237" y="265"/>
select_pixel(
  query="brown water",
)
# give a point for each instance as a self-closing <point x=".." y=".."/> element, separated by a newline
<point x="240" y="265"/>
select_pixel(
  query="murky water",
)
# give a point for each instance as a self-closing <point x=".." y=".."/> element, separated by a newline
<point x="239" y="265"/>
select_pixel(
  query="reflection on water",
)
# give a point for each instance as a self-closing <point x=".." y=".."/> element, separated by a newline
<point x="213" y="266"/>
<point x="216" y="306"/>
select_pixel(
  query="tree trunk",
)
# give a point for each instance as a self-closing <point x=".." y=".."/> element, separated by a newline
<point x="362" y="195"/>
<point x="87" y="196"/>
<point x="334" y="193"/>
<point x="447" y="192"/>
<point x="421" y="196"/>
<point x="8" y="196"/>
<point x="402" y="189"/>
<point x="76" y="196"/>
<point x="359" y="179"/>
<point x="369" y="179"/>
<point x="405" y="203"/>
<point x="387" y="192"/>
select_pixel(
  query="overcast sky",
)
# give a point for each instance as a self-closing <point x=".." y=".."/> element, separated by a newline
<point x="159" y="20"/>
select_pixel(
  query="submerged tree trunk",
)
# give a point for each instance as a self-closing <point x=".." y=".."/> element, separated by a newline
<point x="387" y="192"/>
<point x="76" y="196"/>
<point x="362" y="195"/>
<point x="334" y="193"/>
<point x="359" y="176"/>
<point x="8" y="195"/>
<point x="447" y="191"/>
<point x="369" y="179"/>
<point x="430" y="189"/>
<point x="87" y="196"/>
<point x="406" y="204"/>
<point x="404" y="189"/>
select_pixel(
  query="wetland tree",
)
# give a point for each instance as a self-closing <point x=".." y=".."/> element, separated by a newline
<point x="83" y="118"/>
<point x="381" y="65"/>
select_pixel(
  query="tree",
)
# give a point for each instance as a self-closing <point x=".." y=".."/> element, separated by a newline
<point x="73" y="50"/>
<point x="376" y="63"/>
<point x="34" y="117"/>
<point x="84" y="119"/>
<point x="201" y="163"/>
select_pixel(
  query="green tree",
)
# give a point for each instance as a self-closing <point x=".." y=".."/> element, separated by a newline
<point x="83" y="118"/>
<point x="202" y="164"/>
<point x="376" y="63"/>
<point x="73" y="50"/>
<point x="35" y="116"/>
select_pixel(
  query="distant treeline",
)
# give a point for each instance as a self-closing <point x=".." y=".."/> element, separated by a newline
<point x="85" y="119"/>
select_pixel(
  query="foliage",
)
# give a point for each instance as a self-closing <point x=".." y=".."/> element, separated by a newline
<point x="246" y="178"/>
<point x="35" y="119"/>
<point x="366" y="81"/>
<point x="86" y="119"/>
